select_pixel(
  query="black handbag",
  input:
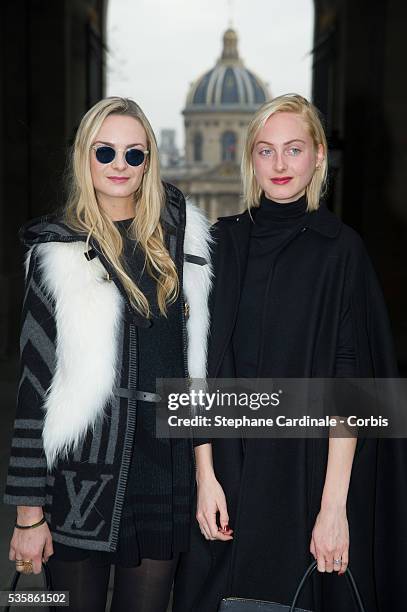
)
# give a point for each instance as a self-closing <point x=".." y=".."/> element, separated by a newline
<point x="236" y="604"/>
<point x="47" y="585"/>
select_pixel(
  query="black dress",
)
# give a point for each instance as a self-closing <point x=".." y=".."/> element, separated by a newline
<point x="155" y="520"/>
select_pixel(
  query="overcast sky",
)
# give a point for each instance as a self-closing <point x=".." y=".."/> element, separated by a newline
<point x="156" y="48"/>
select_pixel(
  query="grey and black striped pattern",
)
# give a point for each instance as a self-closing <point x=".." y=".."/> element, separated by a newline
<point x="26" y="479"/>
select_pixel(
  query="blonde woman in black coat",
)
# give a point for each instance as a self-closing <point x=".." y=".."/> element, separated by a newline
<point x="295" y="296"/>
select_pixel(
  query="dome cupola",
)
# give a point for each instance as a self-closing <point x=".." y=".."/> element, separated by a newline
<point x="229" y="85"/>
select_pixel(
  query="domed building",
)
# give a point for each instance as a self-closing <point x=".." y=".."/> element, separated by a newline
<point x="218" y="109"/>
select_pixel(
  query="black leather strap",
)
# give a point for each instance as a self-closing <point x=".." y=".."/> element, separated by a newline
<point x="134" y="318"/>
<point x="91" y="254"/>
<point x="141" y="396"/>
<point x="199" y="261"/>
<point x="351" y="582"/>
<point x="47" y="584"/>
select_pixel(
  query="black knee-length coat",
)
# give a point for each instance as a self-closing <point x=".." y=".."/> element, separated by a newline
<point x="274" y="487"/>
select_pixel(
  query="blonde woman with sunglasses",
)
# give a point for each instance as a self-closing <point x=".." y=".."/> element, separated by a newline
<point x="113" y="302"/>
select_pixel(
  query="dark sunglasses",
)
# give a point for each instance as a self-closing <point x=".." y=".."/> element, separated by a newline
<point x="105" y="155"/>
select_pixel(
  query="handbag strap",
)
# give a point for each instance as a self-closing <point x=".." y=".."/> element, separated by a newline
<point x="46" y="575"/>
<point x="351" y="582"/>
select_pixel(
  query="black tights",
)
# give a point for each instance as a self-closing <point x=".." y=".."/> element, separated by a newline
<point x="145" y="588"/>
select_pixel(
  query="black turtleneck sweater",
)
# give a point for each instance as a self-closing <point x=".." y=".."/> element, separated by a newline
<point x="274" y="226"/>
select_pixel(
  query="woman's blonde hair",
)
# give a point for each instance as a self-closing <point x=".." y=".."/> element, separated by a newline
<point x="288" y="103"/>
<point x="83" y="213"/>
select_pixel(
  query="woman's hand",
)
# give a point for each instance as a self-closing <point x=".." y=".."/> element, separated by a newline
<point x="31" y="544"/>
<point x="211" y="500"/>
<point x="330" y="540"/>
<point x="330" y="536"/>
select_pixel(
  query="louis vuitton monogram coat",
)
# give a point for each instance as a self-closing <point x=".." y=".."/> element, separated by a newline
<point x="77" y="400"/>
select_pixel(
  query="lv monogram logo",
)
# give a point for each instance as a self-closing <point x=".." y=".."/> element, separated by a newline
<point x="82" y="503"/>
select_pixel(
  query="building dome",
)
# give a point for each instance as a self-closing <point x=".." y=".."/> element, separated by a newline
<point x="229" y="85"/>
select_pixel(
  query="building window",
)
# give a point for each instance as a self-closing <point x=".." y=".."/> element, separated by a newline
<point x="229" y="141"/>
<point x="198" y="142"/>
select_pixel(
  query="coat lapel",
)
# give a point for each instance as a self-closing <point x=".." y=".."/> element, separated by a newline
<point x="231" y="253"/>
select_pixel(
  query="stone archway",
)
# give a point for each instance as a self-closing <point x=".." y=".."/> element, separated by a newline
<point x="358" y="59"/>
<point x="51" y="70"/>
